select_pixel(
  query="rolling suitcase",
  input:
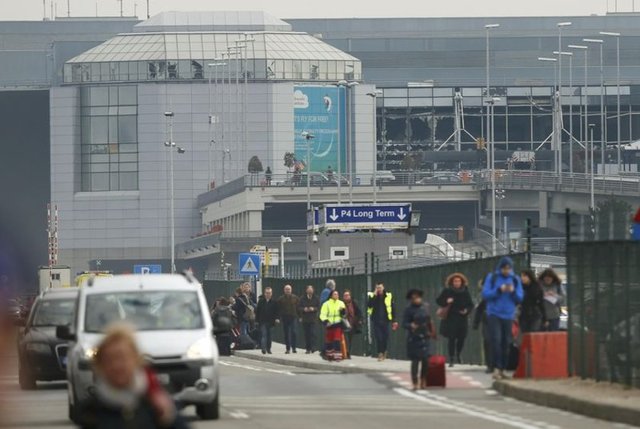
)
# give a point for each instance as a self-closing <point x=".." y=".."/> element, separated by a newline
<point x="436" y="377"/>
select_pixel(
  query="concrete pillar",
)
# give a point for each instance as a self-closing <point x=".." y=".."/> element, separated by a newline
<point x="543" y="204"/>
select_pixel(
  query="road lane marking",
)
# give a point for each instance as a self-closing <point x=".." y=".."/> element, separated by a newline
<point x="255" y="368"/>
<point x="471" y="410"/>
<point x="240" y="415"/>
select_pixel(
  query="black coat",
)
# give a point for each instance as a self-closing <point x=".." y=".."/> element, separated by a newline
<point x="97" y="415"/>
<point x="532" y="309"/>
<point x="456" y="324"/>
<point x="417" y="340"/>
<point x="267" y="311"/>
<point x="311" y="316"/>
<point x="240" y="307"/>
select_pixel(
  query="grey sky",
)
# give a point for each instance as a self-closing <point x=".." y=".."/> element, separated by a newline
<point x="33" y="9"/>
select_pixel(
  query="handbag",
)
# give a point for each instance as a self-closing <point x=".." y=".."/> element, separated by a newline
<point x="346" y="326"/>
<point x="443" y="312"/>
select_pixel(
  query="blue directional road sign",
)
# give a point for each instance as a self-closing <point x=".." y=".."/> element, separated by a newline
<point x="147" y="269"/>
<point x="249" y="264"/>
<point x="374" y="216"/>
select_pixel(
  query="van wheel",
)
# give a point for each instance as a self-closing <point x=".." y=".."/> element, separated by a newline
<point x="210" y="411"/>
<point x="26" y="379"/>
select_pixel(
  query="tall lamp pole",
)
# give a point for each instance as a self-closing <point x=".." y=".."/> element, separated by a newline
<point x="555" y="137"/>
<point x="561" y="25"/>
<point x="308" y="137"/>
<point x="217" y="62"/>
<point x="585" y="100"/>
<point x="570" y="55"/>
<point x="492" y="168"/>
<point x="488" y="29"/>
<point x="349" y="128"/>
<point x="592" y="193"/>
<point x="171" y="145"/>
<point x="374" y="97"/>
<point x="600" y="43"/>
<point x="617" y="36"/>
<point x="283" y="240"/>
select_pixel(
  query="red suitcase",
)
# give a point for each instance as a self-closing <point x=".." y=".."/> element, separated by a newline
<point x="436" y="377"/>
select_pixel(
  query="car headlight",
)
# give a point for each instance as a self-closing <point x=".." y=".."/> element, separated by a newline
<point x="90" y="353"/>
<point x="201" y="349"/>
<point x="38" y="348"/>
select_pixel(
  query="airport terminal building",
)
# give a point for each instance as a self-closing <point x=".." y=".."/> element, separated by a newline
<point x="94" y="128"/>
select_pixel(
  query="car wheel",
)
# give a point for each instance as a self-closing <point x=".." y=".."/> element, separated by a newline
<point x="26" y="379"/>
<point x="210" y="411"/>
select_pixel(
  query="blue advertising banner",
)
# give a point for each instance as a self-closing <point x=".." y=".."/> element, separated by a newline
<point x="320" y="111"/>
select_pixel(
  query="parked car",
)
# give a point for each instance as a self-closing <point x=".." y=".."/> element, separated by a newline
<point x="440" y="179"/>
<point x="174" y="332"/>
<point x="41" y="355"/>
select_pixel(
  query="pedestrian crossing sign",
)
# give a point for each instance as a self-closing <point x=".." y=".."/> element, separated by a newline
<point x="249" y="264"/>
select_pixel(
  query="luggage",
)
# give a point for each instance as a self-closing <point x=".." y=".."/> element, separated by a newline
<point x="245" y="342"/>
<point x="436" y="377"/>
<point x="256" y="335"/>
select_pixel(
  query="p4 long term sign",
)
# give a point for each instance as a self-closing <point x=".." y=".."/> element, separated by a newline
<point x="366" y="216"/>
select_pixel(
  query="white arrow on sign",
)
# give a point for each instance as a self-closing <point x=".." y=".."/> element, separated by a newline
<point x="334" y="216"/>
<point x="402" y="216"/>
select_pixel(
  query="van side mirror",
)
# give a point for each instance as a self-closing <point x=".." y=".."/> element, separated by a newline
<point x="64" y="333"/>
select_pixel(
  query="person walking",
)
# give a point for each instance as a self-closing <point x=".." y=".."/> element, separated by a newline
<point x="553" y="299"/>
<point x="309" y="309"/>
<point x="288" y="314"/>
<point x="417" y="322"/>
<point x="331" y="315"/>
<point x="503" y="292"/>
<point x="267" y="318"/>
<point x="223" y="322"/>
<point x="127" y="393"/>
<point x="245" y="308"/>
<point x="353" y="315"/>
<point x="380" y="309"/>
<point x="329" y="287"/>
<point x="532" y="310"/>
<point x="455" y="300"/>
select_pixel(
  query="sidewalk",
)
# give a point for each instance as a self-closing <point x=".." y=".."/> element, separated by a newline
<point x="356" y="364"/>
<point x="603" y="401"/>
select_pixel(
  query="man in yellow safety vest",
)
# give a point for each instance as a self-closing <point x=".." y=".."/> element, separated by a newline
<point x="381" y="311"/>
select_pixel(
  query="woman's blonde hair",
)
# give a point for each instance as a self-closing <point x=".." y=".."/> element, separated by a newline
<point x="114" y="334"/>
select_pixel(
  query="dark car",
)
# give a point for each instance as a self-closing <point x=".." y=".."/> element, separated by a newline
<point x="42" y="356"/>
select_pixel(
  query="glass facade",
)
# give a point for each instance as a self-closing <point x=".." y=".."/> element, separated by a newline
<point x="109" y="143"/>
<point x="185" y="56"/>
<point x="415" y="119"/>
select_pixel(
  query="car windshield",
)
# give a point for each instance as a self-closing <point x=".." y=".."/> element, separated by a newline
<point x="146" y="311"/>
<point x="54" y="312"/>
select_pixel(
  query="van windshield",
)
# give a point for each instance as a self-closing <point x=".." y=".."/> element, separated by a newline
<point x="144" y="310"/>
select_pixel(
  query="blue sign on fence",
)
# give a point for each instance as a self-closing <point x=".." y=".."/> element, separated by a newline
<point x="383" y="216"/>
<point x="249" y="264"/>
<point x="147" y="269"/>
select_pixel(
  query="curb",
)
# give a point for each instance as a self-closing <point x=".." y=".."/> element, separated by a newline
<point x="609" y="412"/>
<point x="342" y="367"/>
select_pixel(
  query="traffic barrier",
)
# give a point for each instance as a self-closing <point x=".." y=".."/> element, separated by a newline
<point x="543" y="355"/>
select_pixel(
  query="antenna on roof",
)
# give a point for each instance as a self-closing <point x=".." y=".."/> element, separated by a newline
<point x="148" y="16"/>
<point x="68" y="8"/>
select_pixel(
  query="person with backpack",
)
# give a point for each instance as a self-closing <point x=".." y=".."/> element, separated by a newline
<point x="245" y="308"/>
<point x="288" y="314"/>
<point x="223" y="322"/>
<point x="553" y="299"/>
<point x="503" y="292"/>
<point x="267" y="318"/>
<point x="417" y="322"/>
<point x="455" y="306"/>
<point x="532" y="310"/>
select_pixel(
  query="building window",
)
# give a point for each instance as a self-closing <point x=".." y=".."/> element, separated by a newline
<point x="109" y="143"/>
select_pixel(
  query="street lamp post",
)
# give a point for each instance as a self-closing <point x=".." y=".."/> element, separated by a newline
<point x="374" y="97"/>
<point x="488" y="29"/>
<point x="217" y="62"/>
<point x="593" y="203"/>
<point x="349" y="131"/>
<point x="492" y="168"/>
<point x="585" y="100"/>
<point x="171" y="145"/>
<point x="570" y="55"/>
<point x="617" y="36"/>
<point x="561" y="25"/>
<point x="283" y="240"/>
<point x="308" y="137"/>
<point x="555" y="137"/>
<point x="247" y="39"/>
<point x="600" y="43"/>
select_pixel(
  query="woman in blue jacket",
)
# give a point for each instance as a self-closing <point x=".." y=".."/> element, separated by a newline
<point x="503" y="292"/>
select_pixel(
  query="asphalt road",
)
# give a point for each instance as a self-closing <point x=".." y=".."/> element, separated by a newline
<point x="262" y="395"/>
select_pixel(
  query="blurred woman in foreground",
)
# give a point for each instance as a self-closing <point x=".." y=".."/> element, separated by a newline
<point x="127" y="394"/>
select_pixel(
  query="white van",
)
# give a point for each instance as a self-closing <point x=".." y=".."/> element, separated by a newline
<point x="174" y="332"/>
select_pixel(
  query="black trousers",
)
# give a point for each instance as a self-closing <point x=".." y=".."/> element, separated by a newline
<point x="456" y="344"/>
<point x="424" y="370"/>
<point x="381" y="334"/>
<point x="309" y="329"/>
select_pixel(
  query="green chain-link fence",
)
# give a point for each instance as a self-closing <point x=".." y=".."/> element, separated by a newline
<point x="430" y="279"/>
<point x="604" y="311"/>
